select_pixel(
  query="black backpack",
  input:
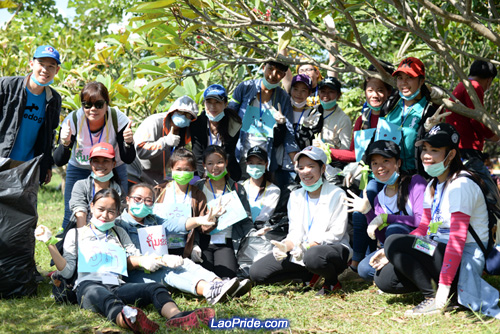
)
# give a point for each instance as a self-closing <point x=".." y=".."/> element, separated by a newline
<point x="491" y="253"/>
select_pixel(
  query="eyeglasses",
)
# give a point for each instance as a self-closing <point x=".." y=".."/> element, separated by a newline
<point x="98" y="104"/>
<point x="147" y="201"/>
<point x="306" y="70"/>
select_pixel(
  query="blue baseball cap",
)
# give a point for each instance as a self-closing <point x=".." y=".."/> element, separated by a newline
<point x="217" y="92"/>
<point x="47" y="51"/>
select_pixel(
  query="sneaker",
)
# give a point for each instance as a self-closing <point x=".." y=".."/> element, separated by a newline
<point x="350" y="275"/>
<point x="328" y="289"/>
<point x="219" y="290"/>
<point x="244" y="286"/>
<point x="191" y="319"/>
<point x="137" y="321"/>
<point x="427" y="306"/>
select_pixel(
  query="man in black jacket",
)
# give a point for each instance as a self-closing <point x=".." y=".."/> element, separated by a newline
<point x="30" y="112"/>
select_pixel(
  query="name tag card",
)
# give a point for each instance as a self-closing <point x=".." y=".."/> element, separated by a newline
<point x="153" y="240"/>
<point x="102" y="257"/>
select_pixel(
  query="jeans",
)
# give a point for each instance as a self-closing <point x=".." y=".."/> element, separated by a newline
<point x="184" y="278"/>
<point x="74" y="174"/>
<point x="361" y="241"/>
<point x="366" y="271"/>
<point x="109" y="300"/>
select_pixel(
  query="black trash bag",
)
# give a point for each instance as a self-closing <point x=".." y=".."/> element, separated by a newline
<point x="18" y="220"/>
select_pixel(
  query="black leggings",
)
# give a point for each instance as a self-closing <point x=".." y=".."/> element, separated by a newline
<point x="220" y="259"/>
<point x="410" y="270"/>
<point x="325" y="260"/>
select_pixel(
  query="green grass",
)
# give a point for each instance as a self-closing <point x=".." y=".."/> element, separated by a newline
<point x="357" y="309"/>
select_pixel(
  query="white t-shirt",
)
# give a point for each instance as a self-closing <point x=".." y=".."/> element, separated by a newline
<point x="461" y="195"/>
<point x="390" y="204"/>
<point x="268" y="200"/>
<point x="342" y="121"/>
<point x="80" y="154"/>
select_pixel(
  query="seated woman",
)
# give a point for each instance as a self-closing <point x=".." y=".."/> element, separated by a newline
<point x="188" y="276"/>
<point x="440" y="251"/>
<point x="398" y="207"/>
<point x="262" y="194"/>
<point x="102" y="163"/>
<point x="100" y="287"/>
<point x="217" y="248"/>
<point x="317" y="242"/>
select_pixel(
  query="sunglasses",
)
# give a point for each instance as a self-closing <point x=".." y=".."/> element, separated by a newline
<point x="98" y="104"/>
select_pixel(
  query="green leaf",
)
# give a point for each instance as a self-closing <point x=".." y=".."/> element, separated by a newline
<point x="152" y="5"/>
<point x="151" y="69"/>
<point x="148" y="26"/>
<point x="284" y="40"/>
<point x="190" y="87"/>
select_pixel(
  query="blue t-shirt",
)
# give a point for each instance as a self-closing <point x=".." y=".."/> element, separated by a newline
<point x="33" y="117"/>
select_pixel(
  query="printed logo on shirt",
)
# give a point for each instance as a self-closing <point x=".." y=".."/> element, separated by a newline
<point x="30" y="115"/>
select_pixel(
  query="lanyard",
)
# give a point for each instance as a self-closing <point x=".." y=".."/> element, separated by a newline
<point x="90" y="133"/>
<point x="258" y="193"/>
<point x="298" y="122"/>
<point x="213" y="192"/>
<point x="185" y="195"/>
<point x="105" y="239"/>
<point x="436" y="207"/>
<point x="261" y="111"/>
<point x="330" y="114"/>
<point x="403" y="116"/>
<point x="309" y="220"/>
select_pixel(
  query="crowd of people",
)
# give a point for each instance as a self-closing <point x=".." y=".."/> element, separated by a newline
<point x="389" y="199"/>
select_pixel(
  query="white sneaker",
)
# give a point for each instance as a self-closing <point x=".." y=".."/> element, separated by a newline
<point x="218" y="291"/>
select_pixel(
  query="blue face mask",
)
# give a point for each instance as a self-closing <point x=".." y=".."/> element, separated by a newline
<point x="180" y="120"/>
<point x="216" y="118"/>
<point x="329" y="105"/>
<point x="437" y="169"/>
<point x="313" y="187"/>
<point x="256" y="171"/>
<point x="269" y="85"/>
<point x="100" y="225"/>
<point x="104" y="178"/>
<point x="394" y="177"/>
<point x="374" y="108"/>
<point x="140" y="210"/>
<point x="41" y="84"/>
<point x="411" y="97"/>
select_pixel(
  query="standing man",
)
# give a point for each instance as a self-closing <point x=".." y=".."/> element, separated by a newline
<point x="473" y="133"/>
<point x="30" y="112"/>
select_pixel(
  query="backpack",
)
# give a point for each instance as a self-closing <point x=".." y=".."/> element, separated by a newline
<point x="491" y="252"/>
<point x="63" y="288"/>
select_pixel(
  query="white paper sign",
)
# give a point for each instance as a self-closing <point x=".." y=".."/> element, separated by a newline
<point x="102" y="257"/>
<point x="153" y="240"/>
<point x="234" y="210"/>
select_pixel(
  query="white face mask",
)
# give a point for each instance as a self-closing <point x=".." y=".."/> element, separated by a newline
<point x="298" y="104"/>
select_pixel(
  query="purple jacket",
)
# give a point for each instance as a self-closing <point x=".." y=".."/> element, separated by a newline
<point x="415" y="198"/>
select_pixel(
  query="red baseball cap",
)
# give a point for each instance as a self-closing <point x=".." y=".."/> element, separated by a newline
<point x="411" y="66"/>
<point x="102" y="150"/>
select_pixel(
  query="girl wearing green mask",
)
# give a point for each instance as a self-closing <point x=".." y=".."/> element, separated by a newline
<point x="317" y="243"/>
<point x="103" y="176"/>
<point x="262" y="194"/>
<point x="181" y="197"/>
<point x="216" y="250"/>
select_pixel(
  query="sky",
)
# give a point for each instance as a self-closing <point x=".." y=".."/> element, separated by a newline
<point x="62" y="5"/>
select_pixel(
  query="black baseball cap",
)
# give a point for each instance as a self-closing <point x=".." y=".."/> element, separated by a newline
<point x="385" y="148"/>
<point x="258" y="152"/>
<point x="331" y="82"/>
<point x="441" y="135"/>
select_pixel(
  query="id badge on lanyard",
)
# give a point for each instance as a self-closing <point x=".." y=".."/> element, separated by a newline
<point x="425" y="245"/>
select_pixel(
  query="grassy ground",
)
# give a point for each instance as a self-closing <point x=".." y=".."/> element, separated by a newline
<point x="357" y="309"/>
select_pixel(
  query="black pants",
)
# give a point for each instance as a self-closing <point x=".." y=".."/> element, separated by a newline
<point x="220" y="259"/>
<point x="109" y="300"/>
<point x="325" y="260"/>
<point x="410" y="270"/>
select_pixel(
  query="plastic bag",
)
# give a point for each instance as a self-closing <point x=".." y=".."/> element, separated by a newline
<point x="18" y="220"/>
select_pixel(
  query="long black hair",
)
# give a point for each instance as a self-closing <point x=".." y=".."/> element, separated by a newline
<point x="211" y="149"/>
<point x="108" y="193"/>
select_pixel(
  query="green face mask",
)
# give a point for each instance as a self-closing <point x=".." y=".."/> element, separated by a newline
<point x="217" y="177"/>
<point x="182" y="178"/>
